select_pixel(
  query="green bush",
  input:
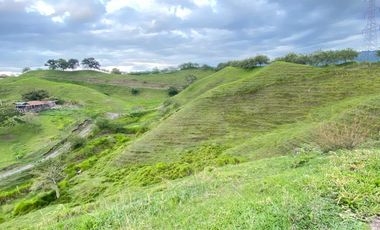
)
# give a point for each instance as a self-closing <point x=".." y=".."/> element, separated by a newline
<point x="172" y="91"/>
<point x="190" y="163"/>
<point x="34" y="203"/>
<point x="135" y="91"/>
<point x="7" y="112"/>
<point x="77" y="142"/>
<point x="116" y="71"/>
<point x="35" y="95"/>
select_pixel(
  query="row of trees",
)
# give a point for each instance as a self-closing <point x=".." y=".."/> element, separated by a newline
<point x="191" y="65"/>
<point x="248" y="63"/>
<point x="321" y="58"/>
<point x="63" y="64"/>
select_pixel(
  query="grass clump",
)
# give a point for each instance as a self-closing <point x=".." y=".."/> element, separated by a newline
<point x="36" y="202"/>
<point x="6" y="196"/>
<point x="190" y="163"/>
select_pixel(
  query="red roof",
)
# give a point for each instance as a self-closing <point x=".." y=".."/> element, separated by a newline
<point x="38" y="102"/>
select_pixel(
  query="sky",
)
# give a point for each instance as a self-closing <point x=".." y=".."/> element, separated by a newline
<point x="138" y="35"/>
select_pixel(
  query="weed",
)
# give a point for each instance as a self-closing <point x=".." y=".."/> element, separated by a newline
<point x="332" y="136"/>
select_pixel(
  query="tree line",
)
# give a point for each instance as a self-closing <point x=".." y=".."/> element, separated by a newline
<point x="321" y="58"/>
<point x="63" y="64"/>
<point x="248" y="63"/>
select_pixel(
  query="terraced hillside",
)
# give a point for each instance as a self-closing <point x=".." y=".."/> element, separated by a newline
<point x="278" y="104"/>
<point x="284" y="146"/>
<point x="147" y="81"/>
<point x="24" y="142"/>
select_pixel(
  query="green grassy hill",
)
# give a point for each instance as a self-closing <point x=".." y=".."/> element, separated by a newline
<point x="26" y="142"/>
<point x="284" y="146"/>
<point x="147" y="81"/>
<point x="262" y="113"/>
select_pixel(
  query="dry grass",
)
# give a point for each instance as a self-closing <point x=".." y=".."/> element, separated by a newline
<point x="344" y="135"/>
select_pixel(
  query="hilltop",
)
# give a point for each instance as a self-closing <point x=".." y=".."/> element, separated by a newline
<point x="281" y="146"/>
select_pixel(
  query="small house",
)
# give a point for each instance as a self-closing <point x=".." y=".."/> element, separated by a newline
<point x="34" y="106"/>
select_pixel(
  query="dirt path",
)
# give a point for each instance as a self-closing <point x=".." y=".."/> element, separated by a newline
<point x="83" y="130"/>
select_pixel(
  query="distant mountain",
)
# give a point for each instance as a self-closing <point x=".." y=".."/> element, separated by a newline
<point x="365" y="55"/>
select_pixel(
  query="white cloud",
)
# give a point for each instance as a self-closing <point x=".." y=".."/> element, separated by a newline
<point x="205" y="3"/>
<point x="138" y="5"/>
<point x="181" y="12"/>
<point x="61" y="18"/>
<point x="148" y="6"/>
<point x="42" y="8"/>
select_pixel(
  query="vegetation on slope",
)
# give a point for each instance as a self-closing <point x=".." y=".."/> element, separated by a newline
<point x="267" y="112"/>
<point x="312" y="133"/>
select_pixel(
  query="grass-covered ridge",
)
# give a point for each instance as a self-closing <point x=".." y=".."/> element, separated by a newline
<point x="269" y="110"/>
<point x="284" y="146"/>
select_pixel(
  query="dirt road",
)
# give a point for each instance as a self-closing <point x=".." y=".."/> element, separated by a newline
<point x="83" y="130"/>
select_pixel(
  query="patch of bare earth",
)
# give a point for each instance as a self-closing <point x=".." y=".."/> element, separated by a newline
<point x="375" y="225"/>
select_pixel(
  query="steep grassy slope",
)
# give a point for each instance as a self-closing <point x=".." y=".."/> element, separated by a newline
<point x="148" y="81"/>
<point x="311" y="191"/>
<point x="261" y="127"/>
<point x="25" y="142"/>
<point x="228" y="75"/>
<point x="270" y="111"/>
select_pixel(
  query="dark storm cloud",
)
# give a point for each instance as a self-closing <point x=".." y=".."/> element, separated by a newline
<point x="144" y="34"/>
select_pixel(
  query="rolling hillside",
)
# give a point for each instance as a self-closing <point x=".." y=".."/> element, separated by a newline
<point x="284" y="146"/>
<point x="263" y="113"/>
<point x="147" y="81"/>
<point x="26" y="142"/>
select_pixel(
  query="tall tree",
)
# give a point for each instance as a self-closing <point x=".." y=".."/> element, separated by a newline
<point x="73" y="63"/>
<point x="90" y="63"/>
<point x="188" y="65"/>
<point x="48" y="175"/>
<point x="62" y="64"/>
<point x="262" y="59"/>
<point x="52" y="64"/>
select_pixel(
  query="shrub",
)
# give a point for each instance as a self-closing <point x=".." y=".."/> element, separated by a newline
<point x="172" y="91"/>
<point x="77" y="142"/>
<point x="35" y="95"/>
<point x="115" y="71"/>
<point x="190" y="163"/>
<point x="6" y="112"/>
<point x="135" y="91"/>
<point x="345" y="135"/>
<point x="36" y="202"/>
